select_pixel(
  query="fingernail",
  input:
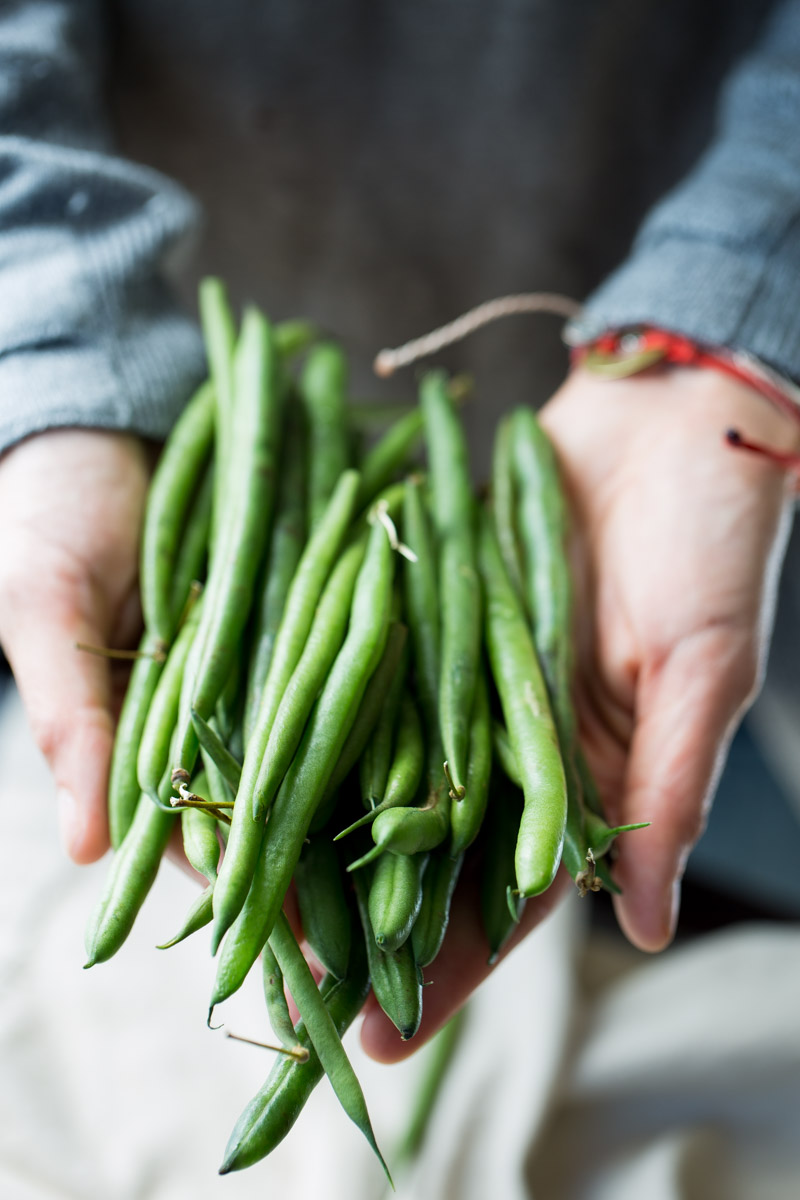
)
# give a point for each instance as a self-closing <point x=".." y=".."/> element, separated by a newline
<point x="68" y="817"/>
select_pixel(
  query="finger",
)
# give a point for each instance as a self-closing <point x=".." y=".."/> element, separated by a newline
<point x="687" y="711"/>
<point x="459" y="968"/>
<point x="66" y="694"/>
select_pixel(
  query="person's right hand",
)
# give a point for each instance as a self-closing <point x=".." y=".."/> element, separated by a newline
<point x="71" y="505"/>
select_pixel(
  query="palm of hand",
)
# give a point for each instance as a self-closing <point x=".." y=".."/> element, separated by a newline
<point x="71" y="504"/>
<point x="680" y="540"/>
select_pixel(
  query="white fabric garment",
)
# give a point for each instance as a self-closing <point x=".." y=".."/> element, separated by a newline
<point x="586" y="1071"/>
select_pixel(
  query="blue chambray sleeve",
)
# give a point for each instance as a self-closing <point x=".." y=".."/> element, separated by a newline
<point x="719" y="258"/>
<point x="89" y="332"/>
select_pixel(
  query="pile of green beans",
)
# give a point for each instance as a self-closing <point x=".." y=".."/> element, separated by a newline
<point x="353" y="674"/>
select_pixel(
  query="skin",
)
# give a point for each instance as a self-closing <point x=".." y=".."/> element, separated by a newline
<point x="677" y="540"/>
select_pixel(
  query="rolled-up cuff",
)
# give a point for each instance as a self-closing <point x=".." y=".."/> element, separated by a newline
<point x="712" y="293"/>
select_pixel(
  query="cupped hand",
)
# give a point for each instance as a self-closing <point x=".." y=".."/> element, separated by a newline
<point x="71" y="505"/>
<point x="678" y="541"/>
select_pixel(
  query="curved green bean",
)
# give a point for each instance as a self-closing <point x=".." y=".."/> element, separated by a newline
<point x="395" y="898"/>
<point x="323" y="388"/>
<point x="321" y="898"/>
<point x="531" y="728"/>
<point x="459" y="587"/>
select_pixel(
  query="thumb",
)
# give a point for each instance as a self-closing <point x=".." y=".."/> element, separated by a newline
<point x="687" y="709"/>
<point x="67" y="696"/>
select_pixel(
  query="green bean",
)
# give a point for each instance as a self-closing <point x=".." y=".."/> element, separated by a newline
<point x="532" y="732"/>
<point x="388" y="456"/>
<point x="154" y="739"/>
<point x="459" y="588"/>
<point x="199" y="829"/>
<point x="219" y="331"/>
<point x="283" y="556"/>
<point x="543" y="525"/>
<point x="171" y="491"/>
<point x="132" y="874"/>
<point x="409" y="830"/>
<point x="322" y="1030"/>
<point x="277" y="1004"/>
<point x="255" y="795"/>
<point x="466" y="816"/>
<point x="376" y="760"/>
<point x="123" y="784"/>
<point x="323" y="388"/>
<point x="306" y="780"/>
<point x="504" y="504"/>
<point x="227" y="708"/>
<point x="293" y="336"/>
<point x="192" y="551"/>
<point x="273" y="1111"/>
<point x="213" y="746"/>
<point x="380" y="682"/>
<point x="395" y="897"/>
<point x="422" y="605"/>
<point x="438" y="886"/>
<point x="396" y="981"/>
<point x="321" y="899"/>
<point x="243" y="529"/>
<point x="504" y="754"/>
<point x="498" y="879"/>
<point x="198" y="916"/>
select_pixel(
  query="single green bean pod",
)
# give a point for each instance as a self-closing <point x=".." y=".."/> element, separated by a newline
<point x="390" y="455"/>
<point x="377" y="757"/>
<point x="395" y="897"/>
<point x="243" y="529"/>
<point x="531" y="728"/>
<point x="324" y="913"/>
<point x="200" y="842"/>
<point x="190" y="560"/>
<point x="219" y="332"/>
<point x="285" y="549"/>
<point x="466" y="815"/>
<point x="381" y="681"/>
<point x="498" y="878"/>
<point x="421" y="593"/>
<point x="438" y="887"/>
<point x="277" y="1004"/>
<point x="409" y="830"/>
<point x="172" y="488"/>
<point x="198" y="916"/>
<point x="123" y="784"/>
<point x="504" y="504"/>
<point x="323" y="389"/>
<point x="215" y="749"/>
<point x="132" y="874"/>
<point x="154" y="740"/>
<point x="396" y="980"/>
<point x="293" y="336"/>
<point x="459" y="586"/>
